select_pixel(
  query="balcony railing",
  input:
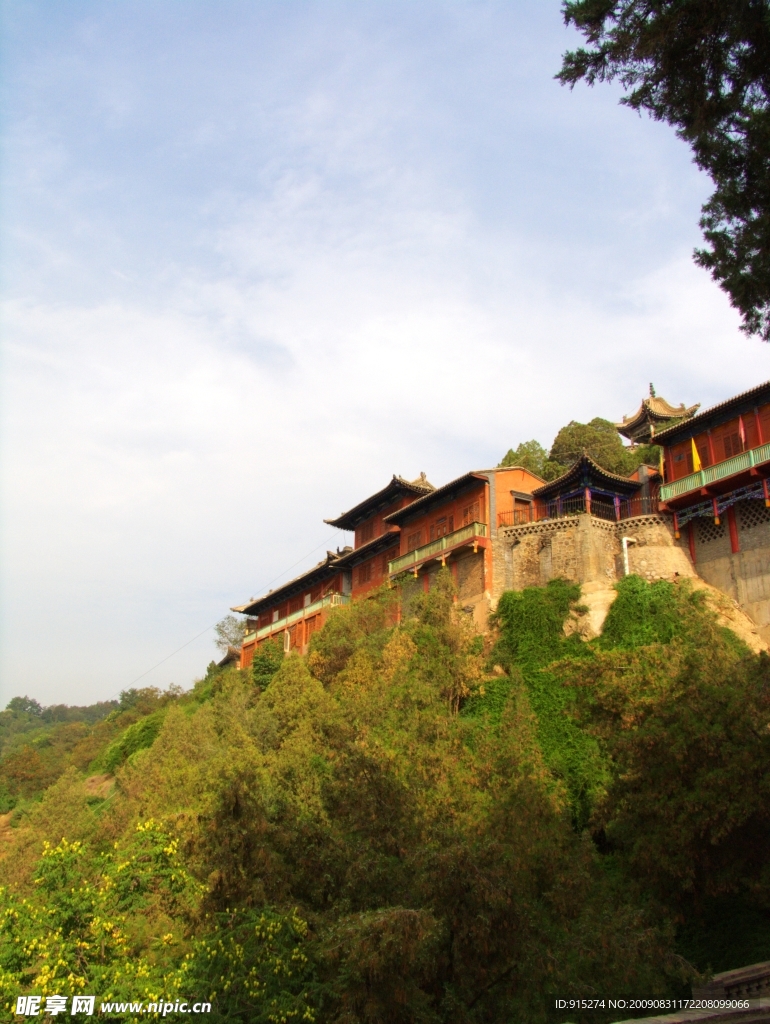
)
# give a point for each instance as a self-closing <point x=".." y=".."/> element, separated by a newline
<point x="730" y="467"/>
<point x="465" y="535"/>
<point x="601" y="506"/>
<point x="330" y="601"/>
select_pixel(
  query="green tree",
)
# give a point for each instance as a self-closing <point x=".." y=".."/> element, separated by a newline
<point x="600" y="440"/>
<point x="703" y="66"/>
<point x="268" y="658"/>
<point x="532" y="456"/>
<point x="229" y="633"/>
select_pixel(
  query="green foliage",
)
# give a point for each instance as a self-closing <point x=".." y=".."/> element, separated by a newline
<point x="532" y="456"/>
<point x="76" y="931"/>
<point x="393" y="830"/>
<point x="139" y="736"/>
<point x="651" y="613"/>
<point x="701" y="67"/>
<point x="268" y="658"/>
<point x="600" y="440"/>
<point x="252" y="966"/>
<point x="229" y="633"/>
<point x="531" y="624"/>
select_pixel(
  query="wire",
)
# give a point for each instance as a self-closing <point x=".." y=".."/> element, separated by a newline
<point x="198" y="635"/>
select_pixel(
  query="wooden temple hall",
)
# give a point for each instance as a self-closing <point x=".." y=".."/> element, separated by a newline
<point x="707" y="497"/>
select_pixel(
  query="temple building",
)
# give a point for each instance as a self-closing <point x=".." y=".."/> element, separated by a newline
<point x="652" y="415"/>
<point x="717" y="498"/>
<point x="705" y="510"/>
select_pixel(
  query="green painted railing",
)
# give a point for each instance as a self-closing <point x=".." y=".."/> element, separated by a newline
<point x="737" y="464"/>
<point x="331" y="600"/>
<point x="452" y="540"/>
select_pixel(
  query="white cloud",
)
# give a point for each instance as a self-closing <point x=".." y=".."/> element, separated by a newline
<point x="186" y="400"/>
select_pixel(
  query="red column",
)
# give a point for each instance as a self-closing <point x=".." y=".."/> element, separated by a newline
<point x="715" y="507"/>
<point x="712" y="456"/>
<point x="766" y="493"/>
<point x="691" y="540"/>
<point x="588" y="500"/>
<point x="733" y="527"/>
<point x="617" y="508"/>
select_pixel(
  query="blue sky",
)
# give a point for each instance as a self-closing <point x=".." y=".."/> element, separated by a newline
<point x="257" y="257"/>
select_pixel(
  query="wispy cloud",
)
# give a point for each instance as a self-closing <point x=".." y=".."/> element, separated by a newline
<point x="256" y="264"/>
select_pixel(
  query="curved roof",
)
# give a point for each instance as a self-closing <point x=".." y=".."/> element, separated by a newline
<point x="397" y="487"/>
<point x="419" y="506"/>
<point x="586" y="473"/>
<point x="327" y="569"/>
<point x="653" y="410"/>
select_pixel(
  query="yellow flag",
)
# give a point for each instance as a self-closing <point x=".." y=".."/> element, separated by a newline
<point x="696" y="466"/>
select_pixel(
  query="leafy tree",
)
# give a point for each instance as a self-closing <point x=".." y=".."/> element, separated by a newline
<point x="600" y="440"/>
<point x="24" y="706"/>
<point x="268" y="658"/>
<point x="703" y="66"/>
<point x="229" y="633"/>
<point x="532" y="456"/>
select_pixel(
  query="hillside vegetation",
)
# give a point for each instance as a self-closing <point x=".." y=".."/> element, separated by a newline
<point x="413" y="824"/>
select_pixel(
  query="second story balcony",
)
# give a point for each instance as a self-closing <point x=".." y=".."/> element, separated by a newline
<point x="330" y="601"/>
<point x="720" y="472"/>
<point x="472" y="535"/>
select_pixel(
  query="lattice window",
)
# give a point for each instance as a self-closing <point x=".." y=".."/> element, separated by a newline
<point x="752" y="514"/>
<point x="708" y="531"/>
<point x="367" y="531"/>
<point x="471" y="513"/>
<point x="364" y="573"/>
<point x="413" y="540"/>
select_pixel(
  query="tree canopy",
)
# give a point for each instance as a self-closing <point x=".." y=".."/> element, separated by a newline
<point x="702" y="66"/>
<point x="598" y="438"/>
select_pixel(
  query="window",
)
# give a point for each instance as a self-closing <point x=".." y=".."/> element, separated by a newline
<point x="366" y="532"/>
<point x="275" y="615"/>
<point x="364" y="573"/>
<point x="733" y="444"/>
<point x="307" y="600"/>
<point x="442" y="527"/>
<point x="413" y="540"/>
<point x="471" y="514"/>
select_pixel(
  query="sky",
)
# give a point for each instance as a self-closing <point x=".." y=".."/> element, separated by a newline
<point x="257" y="257"/>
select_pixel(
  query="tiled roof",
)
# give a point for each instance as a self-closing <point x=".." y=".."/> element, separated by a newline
<point x="398" y="485"/>
<point x="385" y="540"/>
<point x="756" y="395"/>
<point x="585" y="464"/>
<point x="418" y="506"/>
<point x="322" y="570"/>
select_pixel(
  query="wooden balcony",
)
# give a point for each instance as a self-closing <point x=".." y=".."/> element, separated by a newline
<point x="473" y="534"/>
<point x="330" y="601"/>
<point x="738" y="464"/>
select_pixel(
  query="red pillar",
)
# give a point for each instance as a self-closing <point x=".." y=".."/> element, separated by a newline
<point x="766" y="492"/>
<point x="733" y="527"/>
<point x="712" y="456"/>
<point x="588" y="500"/>
<point x="691" y="540"/>
<point x="715" y="507"/>
<point x="617" y="508"/>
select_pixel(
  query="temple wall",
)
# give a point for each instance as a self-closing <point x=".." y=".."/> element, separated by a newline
<point x="743" y="575"/>
<point x="584" y="549"/>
